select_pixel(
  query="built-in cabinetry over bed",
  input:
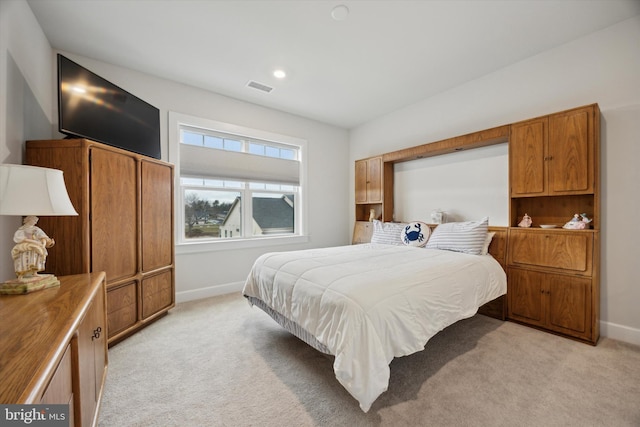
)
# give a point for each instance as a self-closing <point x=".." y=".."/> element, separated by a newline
<point x="124" y="227"/>
<point x="54" y="347"/>
<point x="554" y="173"/>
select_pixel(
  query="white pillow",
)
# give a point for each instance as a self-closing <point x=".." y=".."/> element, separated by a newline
<point x="387" y="233"/>
<point x="487" y="242"/>
<point x="468" y="237"/>
<point x="415" y="234"/>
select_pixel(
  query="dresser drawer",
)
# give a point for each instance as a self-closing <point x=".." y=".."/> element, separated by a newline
<point x="563" y="250"/>
<point x="122" y="308"/>
<point x="157" y="293"/>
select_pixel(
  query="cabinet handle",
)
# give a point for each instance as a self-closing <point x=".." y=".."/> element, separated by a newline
<point x="96" y="333"/>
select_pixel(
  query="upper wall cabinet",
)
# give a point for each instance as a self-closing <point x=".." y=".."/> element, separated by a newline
<point x="373" y="179"/>
<point x="554" y="155"/>
<point x="369" y="180"/>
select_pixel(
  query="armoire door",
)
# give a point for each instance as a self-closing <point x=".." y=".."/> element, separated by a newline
<point x="114" y="225"/>
<point x="157" y="216"/>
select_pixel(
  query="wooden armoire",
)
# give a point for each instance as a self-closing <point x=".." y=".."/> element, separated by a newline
<point x="124" y="227"/>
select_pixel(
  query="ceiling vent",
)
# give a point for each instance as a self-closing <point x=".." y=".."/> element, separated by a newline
<point x="259" y="86"/>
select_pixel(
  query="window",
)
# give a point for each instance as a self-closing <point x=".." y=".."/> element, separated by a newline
<point x="236" y="184"/>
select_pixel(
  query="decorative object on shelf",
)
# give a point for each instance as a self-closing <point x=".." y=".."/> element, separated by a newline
<point x="437" y="216"/>
<point x="575" y="223"/>
<point x="30" y="191"/>
<point x="526" y="221"/>
<point x="548" y="226"/>
<point x="586" y="220"/>
<point x="372" y="215"/>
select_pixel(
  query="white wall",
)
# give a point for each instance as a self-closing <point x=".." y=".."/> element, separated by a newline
<point x="26" y="101"/>
<point x="204" y="274"/>
<point x="30" y="90"/>
<point x="603" y="67"/>
<point x="446" y="179"/>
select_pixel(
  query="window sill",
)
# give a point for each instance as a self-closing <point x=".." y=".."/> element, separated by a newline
<point x="226" y="245"/>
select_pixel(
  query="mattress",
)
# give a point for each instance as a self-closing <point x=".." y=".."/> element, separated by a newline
<point x="367" y="304"/>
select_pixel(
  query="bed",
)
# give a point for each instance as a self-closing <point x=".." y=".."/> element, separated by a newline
<point x="366" y="304"/>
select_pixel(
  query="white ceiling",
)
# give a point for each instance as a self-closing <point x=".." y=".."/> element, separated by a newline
<point x="385" y="55"/>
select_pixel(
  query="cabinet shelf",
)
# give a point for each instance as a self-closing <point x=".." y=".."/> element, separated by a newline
<point x="556" y="210"/>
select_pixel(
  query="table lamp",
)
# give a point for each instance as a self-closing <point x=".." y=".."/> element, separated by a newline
<point x="29" y="191"/>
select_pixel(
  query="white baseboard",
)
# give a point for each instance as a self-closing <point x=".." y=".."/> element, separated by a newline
<point x="620" y="332"/>
<point x="211" y="291"/>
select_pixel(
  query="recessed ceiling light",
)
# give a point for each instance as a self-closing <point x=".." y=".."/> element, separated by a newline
<point x="279" y="74"/>
<point x="340" y="12"/>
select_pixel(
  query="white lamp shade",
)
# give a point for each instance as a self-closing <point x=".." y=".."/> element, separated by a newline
<point x="32" y="190"/>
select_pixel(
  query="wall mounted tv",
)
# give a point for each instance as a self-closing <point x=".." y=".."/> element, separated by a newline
<point x="93" y="108"/>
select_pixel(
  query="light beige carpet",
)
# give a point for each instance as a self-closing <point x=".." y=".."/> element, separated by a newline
<point x="219" y="362"/>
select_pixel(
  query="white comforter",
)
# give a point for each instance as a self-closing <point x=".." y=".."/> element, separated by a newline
<point x="370" y="303"/>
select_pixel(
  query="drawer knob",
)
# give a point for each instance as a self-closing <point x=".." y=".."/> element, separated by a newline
<point x="96" y="333"/>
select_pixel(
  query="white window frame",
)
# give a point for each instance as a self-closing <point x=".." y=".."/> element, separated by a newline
<point x="176" y="120"/>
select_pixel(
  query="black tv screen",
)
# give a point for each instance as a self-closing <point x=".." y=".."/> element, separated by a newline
<point x="93" y="108"/>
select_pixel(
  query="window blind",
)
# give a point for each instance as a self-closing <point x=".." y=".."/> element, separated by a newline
<point x="213" y="163"/>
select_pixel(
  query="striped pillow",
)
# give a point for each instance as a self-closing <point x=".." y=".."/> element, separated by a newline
<point x="466" y="237"/>
<point x="387" y="233"/>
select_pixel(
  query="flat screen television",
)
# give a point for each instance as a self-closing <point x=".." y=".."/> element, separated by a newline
<point x="91" y="107"/>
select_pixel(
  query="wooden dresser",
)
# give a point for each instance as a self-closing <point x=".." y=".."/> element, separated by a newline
<point x="124" y="227"/>
<point x="54" y="346"/>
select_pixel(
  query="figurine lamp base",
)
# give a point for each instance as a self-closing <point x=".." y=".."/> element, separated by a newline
<point x="28" y="284"/>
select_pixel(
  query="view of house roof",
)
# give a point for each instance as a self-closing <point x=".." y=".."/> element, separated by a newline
<point x="273" y="213"/>
<point x="269" y="212"/>
<point x="236" y="203"/>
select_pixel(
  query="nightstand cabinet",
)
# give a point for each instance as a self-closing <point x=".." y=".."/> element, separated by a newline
<point x="553" y="282"/>
<point x="556" y="302"/>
